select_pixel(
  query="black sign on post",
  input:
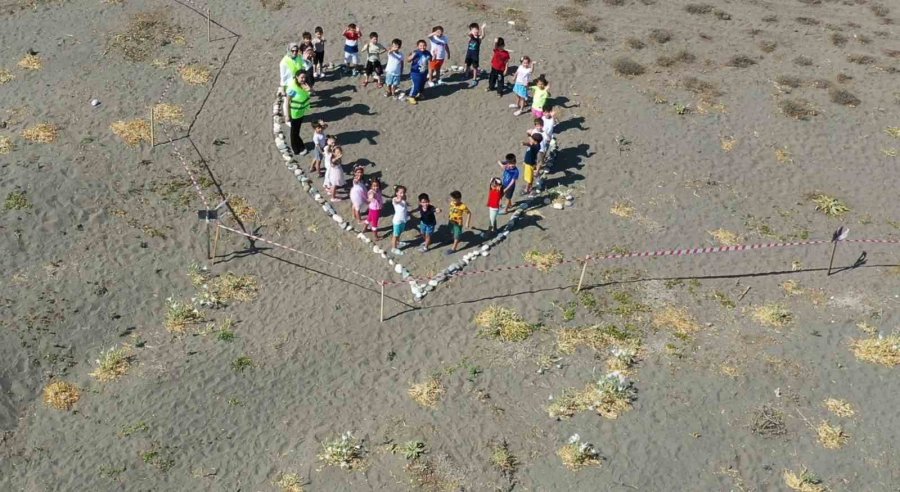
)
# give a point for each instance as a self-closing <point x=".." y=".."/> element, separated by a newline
<point x="208" y="214"/>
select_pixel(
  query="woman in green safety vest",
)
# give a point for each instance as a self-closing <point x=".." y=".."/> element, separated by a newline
<point x="290" y="64"/>
<point x="296" y="105"/>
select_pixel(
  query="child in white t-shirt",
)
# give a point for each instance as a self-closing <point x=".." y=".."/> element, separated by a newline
<point x="401" y="217"/>
<point x="523" y="80"/>
<point x="440" y="51"/>
<point x="394" y="68"/>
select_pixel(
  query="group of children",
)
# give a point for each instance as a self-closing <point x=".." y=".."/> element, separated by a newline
<point x="426" y="64"/>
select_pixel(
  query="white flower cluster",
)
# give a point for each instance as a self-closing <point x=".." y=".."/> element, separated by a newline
<point x="585" y="450"/>
<point x="182" y="308"/>
<point x="626" y="355"/>
<point x="615" y="385"/>
<point x="344" y="451"/>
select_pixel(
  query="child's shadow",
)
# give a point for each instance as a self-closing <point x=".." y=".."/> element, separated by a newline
<point x="357" y="136"/>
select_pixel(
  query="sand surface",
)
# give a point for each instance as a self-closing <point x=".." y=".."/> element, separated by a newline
<point x="110" y="232"/>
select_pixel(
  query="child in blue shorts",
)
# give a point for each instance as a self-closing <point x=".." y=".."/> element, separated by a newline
<point x="394" y="68"/>
<point x="427" y="220"/>
<point x="520" y="89"/>
<point x="401" y="216"/>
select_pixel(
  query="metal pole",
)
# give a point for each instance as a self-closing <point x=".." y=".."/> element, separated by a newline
<point x="152" y="136"/>
<point x="382" y="301"/>
<point x="583" y="270"/>
<point x="831" y="261"/>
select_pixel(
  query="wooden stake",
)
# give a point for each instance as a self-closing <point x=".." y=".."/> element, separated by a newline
<point x="208" y="26"/>
<point x="208" y="250"/>
<point x="583" y="271"/>
<point x="216" y="242"/>
<point x="382" y="301"/>
<point x="831" y="261"/>
<point x="152" y="135"/>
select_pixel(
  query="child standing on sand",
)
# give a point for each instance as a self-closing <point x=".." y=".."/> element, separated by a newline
<point x="473" y="50"/>
<point x="373" y="60"/>
<point x="495" y="194"/>
<point x="358" y="194"/>
<point x="401" y="216"/>
<point x="532" y="147"/>
<point x="510" y="177"/>
<point x="394" y="68"/>
<point x="523" y="80"/>
<point x="376" y="202"/>
<point x="540" y="95"/>
<point x="499" y="67"/>
<point x="549" y="118"/>
<point x="351" y="48"/>
<point x="458" y="214"/>
<point x="319" y="52"/>
<point x="418" y="70"/>
<point x="427" y="220"/>
<point x="319" y="142"/>
<point x="334" y="172"/>
<point x="440" y="50"/>
<point x="545" y="141"/>
<point x="306" y="42"/>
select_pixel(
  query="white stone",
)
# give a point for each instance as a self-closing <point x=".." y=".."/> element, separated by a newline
<point x="298" y="172"/>
<point x="317" y="197"/>
<point x="558" y="205"/>
<point x="485" y="247"/>
<point x="398" y="268"/>
<point x="485" y="253"/>
<point x="287" y="157"/>
<point x="337" y="218"/>
<point x="377" y="250"/>
<point x="276" y="128"/>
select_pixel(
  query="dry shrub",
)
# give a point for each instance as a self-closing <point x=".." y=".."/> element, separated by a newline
<point x="821" y="84"/>
<point x="727" y="144"/>
<point x="893" y="131"/>
<point x="572" y="402"/>
<point x="628" y="67"/>
<point x="843" y="97"/>
<point x="677" y="319"/>
<point x="273" y="5"/>
<point x="838" y="39"/>
<point x="804" y="482"/>
<point x="792" y="288"/>
<point x="195" y="74"/>
<point x="740" y="61"/>
<point x="783" y="156"/>
<point x="768" y="46"/>
<point x="807" y="21"/>
<point x="543" y="260"/>
<point x="133" y="131"/>
<point x="828" y="205"/>
<point x="427" y="394"/>
<point x="773" y="314"/>
<point x="61" y="395"/>
<point x="595" y="337"/>
<point x="879" y="10"/>
<point x="566" y="12"/>
<point x="682" y="56"/>
<point x="803" y="61"/>
<point x="289" y="482"/>
<point x="41" y="133"/>
<point x="891" y="53"/>
<point x="698" y="8"/>
<point x="5" y="76"/>
<point x="880" y="350"/>
<point x="583" y="23"/>
<point x="831" y="436"/>
<point x="503" y="324"/>
<point x="6" y="145"/>
<point x="839" y="407"/>
<point x="228" y="287"/>
<point x="575" y="457"/>
<point x="701" y="87"/>
<point x="789" y="81"/>
<point x="113" y="363"/>
<point x="635" y="43"/>
<point x="30" y="62"/>
<point x="621" y="209"/>
<point x="242" y="209"/>
<point x="614" y="3"/>
<point x="860" y="59"/>
<point x="725" y="237"/>
<point x="660" y="36"/>
<point x="165" y="113"/>
<point x="799" y="109"/>
<point x="146" y="32"/>
<point x="768" y="422"/>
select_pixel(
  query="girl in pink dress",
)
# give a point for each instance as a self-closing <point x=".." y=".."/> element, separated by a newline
<point x="358" y="194"/>
<point x="375" y="203"/>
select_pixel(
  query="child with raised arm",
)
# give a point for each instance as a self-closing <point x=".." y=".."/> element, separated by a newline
<point x="358" y="193"/>
<point x="473" y="50"/>
<point x="334" y="172"/>
<point x="440" y="51"/>
<point x="418" y="70"/>
<point x="401" y="216"/>
<point x="510" y="177"/>
<point x="394" y="68"/>
<point x="374" y="49"/>
<point x="427" y="220"/>
<point x="499" y="67"/>
<point x="318" y="43"/>
<point x="376" y="202"/>
<point x="540" y="94"/>
<point x="351" y="48"/>
<point x="459" y="216"/>
<point x="523" y="80"/>
<point x="532" y="147"/>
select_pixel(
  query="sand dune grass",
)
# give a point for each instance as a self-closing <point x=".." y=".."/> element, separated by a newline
<point x="503" y="324"/>
<point x="61" y="395"/>
<point x="880" y="350"/>
<point x="427" y="393"/>
<point x="133" y="131"/>
<point x="41" y="133"/>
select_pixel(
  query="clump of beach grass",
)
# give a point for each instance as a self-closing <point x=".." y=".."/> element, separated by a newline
<point x="783" y="156"/>
<point x="242" y="209"/>
<point x="113" y="363"/>
<point x="596" y="337"/>
<point x="740" y="61"/>
<point x="503" y="459"/>
<point x="133" y="131"/>
<point x="838" y="407"/>
<point x="768" y="422"/>
<point x="41" y="133"/>
<point x="828" y="205"/>
<point x="171" y="114"/>
<point x="61" y="395"/>
<point x="622" y="358"/>
<point x="726" y="237"/>
<point x="6" y="76"/>
<point x="798" y="109"/>
<point x="346" y="452"/>
<point x="676" y="319"/>
<point x="791" y="81"/>
<point x="31" y="62"/>
<point x="195" y="74"/>
<point x="576" y="454"/>
<point x="622" y="209"/>
<point x="803" y="482"/>
<point x="180" y="315"/>
<point x="289" y="482"/>
<point x="893" y="131"/>
<point x="610" y="397"/>
<point x="773" y="314"/>
<point x="146" y="32"/>
<point x="627" y="67"/>
<point x="6" y="145"/>
<point x="16" y="200"/>
<point x="831" y="436"/>
<point x="242" y="363"/>
<point x="543" y="260"/>
<point x="792" y="288"/>
<point x="228" y="287"/>
<point x="844" y="97"/>
<point x="427" y="393"/>
<point x="502" y="323"/>
<point x="880" y="350"/>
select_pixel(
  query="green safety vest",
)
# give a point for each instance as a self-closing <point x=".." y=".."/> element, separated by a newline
<point x="295" y="65"/>
<point x="300" y="102"/>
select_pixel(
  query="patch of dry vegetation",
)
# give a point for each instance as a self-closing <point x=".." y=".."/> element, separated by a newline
<point x="681" y="56"/>
<point x="798" y="109"/>
<point x="146" y="32"/>
<point x="168" y="114"/>
<point x="843" y="97"/>
<point x="880" y="350"/>
<point x="231" y="287"/>
<point x="427" y="393"/>
<point x="828" y="205"/>
<point x="597" y="338"/>
<point x="242" y="209"/>
<point x="861" y="59"/>
<point x="773" y="314"/>
<point x="31" y="62"/>
<point x="610" y="397"/>
<point x="677" y="319"/>
<point x="622" y="209"/>
<point x="740" y="61"/>
<point x="725" y="237"/>
<point x="783" y="156"/>
<point x="504" y="324"/>
<point x="768" y="422"/>
<point x="804" y="482"/>
<point x="6" y="76"/>
<point x="113" y="363"/>
<point x="627" y="67"/>
<point x="289" y="482"/>
<point x="41" y="133"/>
<point x="792" y="288"/>
<point x="701" y="87"/>
<point x="133" y="131"/>
<point x="61" y="395"/>
<point x="6" y="145"/>
<point x="831" y="436"/>
<point x="660" y="36"/>
<point x="195" y="74"/>
<point x="577" y="455"/>
<point x="789" y="81"/>
<point x="803" y="61"/>
<point x="543" y="260"/>
<point x="767" y="46"/>
<point x="839" y="407"/>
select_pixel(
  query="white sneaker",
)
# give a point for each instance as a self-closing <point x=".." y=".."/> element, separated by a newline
<point x="517" y="112"/>
<point x="401" y="97"/>
<point x="429" y="84"/>
<point x="396" y="252"/>
<point x="303" y="152"/>
<point x="513" y="106"/>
